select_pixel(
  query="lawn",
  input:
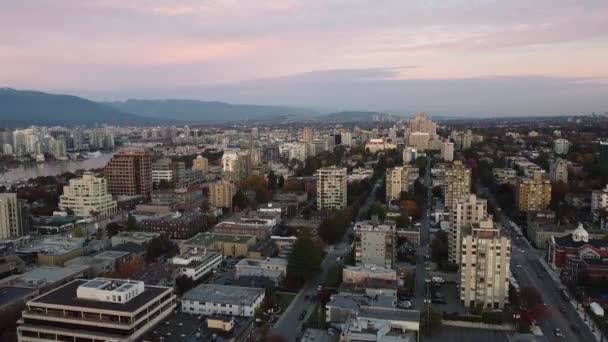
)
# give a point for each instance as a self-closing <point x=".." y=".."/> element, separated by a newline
<point x="283" y="299"/>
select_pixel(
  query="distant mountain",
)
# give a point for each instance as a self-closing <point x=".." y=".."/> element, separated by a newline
<point x="346" y="116"/>
<point x="205" y="111"/>
<point x="20" y="107"/>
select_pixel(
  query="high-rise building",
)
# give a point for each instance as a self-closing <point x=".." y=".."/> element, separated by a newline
<point x="558" y="170"/>
<point x="410" y="153"/>
<point x="129" y="172"/>
<point x="169" y="171"/>
<point x="100" y="309"/>
<point x="201" y="163"/>
<point x="457" y="183"/>
<point x="231" y="165"/>
<point x="467" y="139"/>
<point x="77" y="139"/>
<point x="419" y="140"/>
<point x="400" y="179"/>
<point x="466" y="210"/>
<point x="599" y="201"/>
<point x="485" y="266"/>
<point x="561" y="146"/>
<point x="533" y="194"/>
<point x="604" y="154"/>
<point x="57" y="148"/>
<point x="14" y="217"/>
<point x="307" y="135"/>
<point x="447" y="150"/>
<point x="374" y="244"/>
<point x="421" y="123"/>
<point x="331" y="188"/>
<point x="88" y="197"/>
<point x="221" y="193"/>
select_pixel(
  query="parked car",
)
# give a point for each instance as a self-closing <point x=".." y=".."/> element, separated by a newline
<point x="438" y="280"/>
<point x="406" y="304"/>
<point x="558" y="332"/>
<point x="302" y="315"/>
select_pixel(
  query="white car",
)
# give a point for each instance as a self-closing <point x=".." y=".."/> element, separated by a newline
<point x="438" y="280"/>
<point x="518" y="266"/>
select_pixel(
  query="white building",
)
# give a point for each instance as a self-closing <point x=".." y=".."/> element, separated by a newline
<point x="13" y="221"/>
<point x="599" y="201"/>
<point x="558" y="170"/>
<point x="88" y="196"/>
<point x="331" y="188"/>
<point x="447" y="150"/>
<point x="374" y="244"/>
<point x="230" y="164"/>
<point x="410" y="154"/>
<point x="561" y="146"/>
<point x="485" y="267"/>
<point x="270" y="268"/>
<point x="196" y="263"/>
<point x="213" y="299"/>
<point x="400" y="179"/>
<point x="375" y="145"/>
<point x="466" y="210"/>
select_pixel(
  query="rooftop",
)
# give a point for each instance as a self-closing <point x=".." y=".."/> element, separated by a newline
<point x="389" y="314"/>
<point x="66" y="296"/>
<point x="223" y="294"/>
<point x="111" y="255"/>
<point x="205" y="239"/>
<point x="10" y="294"/>
<point x="47" y="275"/>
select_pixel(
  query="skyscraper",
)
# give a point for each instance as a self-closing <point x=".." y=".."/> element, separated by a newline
<point x="558" y="170"/>
<point x="457" y="183"/>
<point x="466" y="210"/>
<point x="421" y="123"/>
<point x="400" y="179"/>
<point x="331" y="188"/>
<point x="129" y="172"/>
<point x="14" y="217"/>
<point x="533" y="194"/>
<point x="88" y="196"/>
<point x="307" y="135"/>
<point x="447" y="150"/>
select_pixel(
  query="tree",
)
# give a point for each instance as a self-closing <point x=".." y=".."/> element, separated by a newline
<point x="409" y="281"/>
<point x="378" y="209"/>
<point x="183" y="283"/>
<point x="529" y="297"/>
<point x="439" y="247"/>
<point x="132" y="223"/>
<point x="78" y="232"/>
<point x="112" y="229"/>
<point x="411" y="208"/>
<point x="160" y="246"/>
<point x="69" y="211"/>
<point x="281" y="182"/>
<point x="304" y="261"/>
<point x="239" y="200"/>
<point x="403" y="221"/>
<point x="272" y="181"/>
<point x="431" y="321"/>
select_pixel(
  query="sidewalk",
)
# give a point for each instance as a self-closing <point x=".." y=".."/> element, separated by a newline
<point x="576" y="305"/>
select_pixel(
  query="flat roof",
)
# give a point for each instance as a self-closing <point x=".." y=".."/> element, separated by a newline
<point x="389" y="314"/>
<point x="111" y="255"/>
<point x="10" y="294"/>
<point x="48" y="274"/>
<point x="223" y="294"/>
<point x="205" y="239"/>
<point x="66" y="295"/>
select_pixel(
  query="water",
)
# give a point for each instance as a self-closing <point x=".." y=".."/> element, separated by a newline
<point x="33" y="170"/>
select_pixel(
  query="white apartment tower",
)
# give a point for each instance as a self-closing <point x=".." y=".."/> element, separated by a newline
<point x="12" y="218"/>
<point x="374" y="244"/>
<point x="561" y="146"/>
<point x="88" y="196"/>
<point x="447" y="150"/>
<point x="331" y="188"/>
<point x="465" y="211"/>
<point x="484" y="270"/>
<point x="457" y="183"/>
<point x="558" y="170"/>
<point x="400" y="179"/>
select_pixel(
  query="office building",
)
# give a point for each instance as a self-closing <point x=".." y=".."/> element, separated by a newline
<point x="447" y="150"/>
<point x="307" y="135"/>
<point x="374" y="244"/>
<point x="196" y="263"/>
<point x="96" y="310"/>
<point x="410" y="153"/>
<point x="214" y="299"/>
<point x="130" y="173"/>
<point x="88" y="197"/>
<point x="400" y="179"/>
<point x="221" y="193"/>
<point x="14" y="217"/>
<point x="485" y="266"/>
<point x="201" y="163"/>
<point x="231" y="165"/>
<point x="376" y="145"/>
<point x="168" y="172"/>
<point x="558" y="170"/>
<point x="467" y="140"/>
<point x="273" y="269"/>
<point x="604" y="154"/>
<point x="331" y="188"/>
<point x="419" y="140"/>
<point x="561" y="146"/>
<point x="457" y="183"/>
<point x="421" y="123"/>
<point x="533" y="194"/>
<point x="465" y="211"/>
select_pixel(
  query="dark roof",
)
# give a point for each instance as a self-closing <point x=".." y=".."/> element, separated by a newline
<point x="66" y="295"/>
<point x="130" y="247"/>
<point x="566" y="241"/>
<point x="595" y="262"/>
<point x="11" y="294"/>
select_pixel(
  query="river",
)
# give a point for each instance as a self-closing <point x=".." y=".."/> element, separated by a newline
<point x="33" y="170"/>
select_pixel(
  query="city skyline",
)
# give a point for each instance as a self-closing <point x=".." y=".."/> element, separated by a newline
<point x="467" y="58"/>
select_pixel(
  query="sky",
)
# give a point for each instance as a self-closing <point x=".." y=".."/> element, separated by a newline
<point x="448" y="57"/>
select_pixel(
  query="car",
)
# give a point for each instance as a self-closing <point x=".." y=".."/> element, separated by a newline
<point x="338" y="259"/>
<point x="540" y="275"/>
<point x="302" y="315"/>
<point x="438" y="280"/>
<point x="406" y="304"/>
<point x="562" y="309"/>
<point x="320" y="288"/>
<point x="518" y="266"/>
<point x="438" y="300"/>
<point x="558" y="332"/>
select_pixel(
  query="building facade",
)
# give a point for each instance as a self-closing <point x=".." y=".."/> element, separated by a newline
<point x="533" y="194"/>
<point x="558" y="170"/>
<point x="130" y="173"/>
<point x="14" y="217"/>
<point x="485" y="267"/>
<point x="400" y="179"/>
<point x="88" y="197"/>
<point x="457" y="183"/>
<point x="465" y="211"/>
<point x="374" y="244"/>
<point x="221" y="193"/>
<point x="447" y="150"/>
<point x="331" y="188"/>
<point x="561" y="146"/>
<point x="213" y="299"/>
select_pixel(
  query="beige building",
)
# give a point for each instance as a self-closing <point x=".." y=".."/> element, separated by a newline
<point x="100" y="309"/>
<point x="419" y="140"/>
<point x="447" y="150"/>
<point x="465" y="211"/>
<point x="485" y="266"/>
<point x="422" y="123"/>
<point x="307" y="135"/>
<point x="331" y="188"/>
<point x="13" y="219"/>
<point x="221" y="193"/>
<point x="374" y="244"/>
<point x="533" y="194"/>
<point x="201" y="163"/>
<point x="457" y="183"/>
<point x="130" y="173"/>
<point x="87" y="197"/>
<point x="558" y="170"/>
<point x="400" y="179"/>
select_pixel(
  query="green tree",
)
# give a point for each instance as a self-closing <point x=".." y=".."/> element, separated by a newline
<point x="431" y="321"/>
<point x="160" y="246"/>
<point x="78" y="232"/>
<point x="132" y="223"/>
<point x="304" y="261"/>
<point x="272" y="180"/>
<point x="239" y="200"/>
<point x="112" y="229"/>
<point x="529" y="297"/>
<point x="379" y="209"/>
<point x="403" y="221"/>
<point x="439" y="247"/>
<point x="183" y="283"/>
